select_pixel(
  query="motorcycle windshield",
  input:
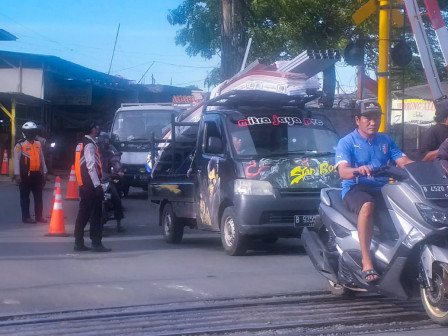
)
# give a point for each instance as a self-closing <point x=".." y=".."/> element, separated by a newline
<point x="286" y="149"/>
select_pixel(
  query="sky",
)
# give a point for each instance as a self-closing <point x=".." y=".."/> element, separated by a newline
<point x="84" y="32"/>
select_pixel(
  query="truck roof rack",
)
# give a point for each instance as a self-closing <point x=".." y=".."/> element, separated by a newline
<point x="238" y="98"/>
<point x="145" y="104"/>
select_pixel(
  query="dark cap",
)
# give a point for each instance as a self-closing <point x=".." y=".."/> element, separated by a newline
<point x="370" y="107"/>
<point x="441" y="110"/>
<point x="88" y="125"/>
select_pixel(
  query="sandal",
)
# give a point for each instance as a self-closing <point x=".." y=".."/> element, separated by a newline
<point x="370" y="272"/>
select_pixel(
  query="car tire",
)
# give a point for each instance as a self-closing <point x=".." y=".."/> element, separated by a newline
<point x="172" y="230"/>
<point x="269" y="239"/>
<point x="233" y="241"/>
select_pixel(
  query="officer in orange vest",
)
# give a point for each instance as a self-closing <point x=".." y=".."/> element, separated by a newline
<point x="88" y="174"/>
<point x="30" y="172"/>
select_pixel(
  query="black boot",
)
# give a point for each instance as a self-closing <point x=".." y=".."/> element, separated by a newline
<point x="98" y="247"/>
<point x="81" y="248"/>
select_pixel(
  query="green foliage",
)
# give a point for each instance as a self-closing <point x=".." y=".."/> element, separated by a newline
<point x="213" y="78"/>
<point x="201" y="27"/>
<point x="281" y="29"/>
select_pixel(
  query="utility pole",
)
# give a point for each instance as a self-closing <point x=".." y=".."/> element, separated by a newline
<point x="6" y="36"/>
<point x="233" y="36"/>
<point x="383" y="62"/>
<point x="386" y="14"/>
<point x="12" y="116"/>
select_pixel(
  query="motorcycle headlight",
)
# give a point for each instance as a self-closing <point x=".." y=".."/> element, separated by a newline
<point x="435" y="217"/>
<point x="253" y="187"/>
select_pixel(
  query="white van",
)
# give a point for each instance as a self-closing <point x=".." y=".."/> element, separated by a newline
<point x="131" y="133"/>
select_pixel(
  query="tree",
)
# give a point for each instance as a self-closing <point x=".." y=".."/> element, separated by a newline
<point x="281" y="29"/>
<point x="233" y="37"/>
<point x="213" y="28"/>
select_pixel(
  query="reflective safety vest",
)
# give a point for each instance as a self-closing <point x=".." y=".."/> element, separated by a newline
<point x="82" y="174"/>
<point x="30" y="156"/>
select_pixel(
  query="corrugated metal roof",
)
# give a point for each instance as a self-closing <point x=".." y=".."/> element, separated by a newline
<point x="66" y="69"/>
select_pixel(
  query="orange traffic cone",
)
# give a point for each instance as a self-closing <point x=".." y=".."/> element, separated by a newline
<point x="57" y="184"/>
<point x="72" y="188"/>
<point x="57" y="227"/>
<point x="5" y="163"/>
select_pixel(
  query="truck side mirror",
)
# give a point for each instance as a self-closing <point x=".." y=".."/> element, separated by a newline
<point x="214" y="145"/>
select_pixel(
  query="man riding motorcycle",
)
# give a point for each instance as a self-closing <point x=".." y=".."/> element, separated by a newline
<point x="356" y="154"/>
<point x="112" y="172"/>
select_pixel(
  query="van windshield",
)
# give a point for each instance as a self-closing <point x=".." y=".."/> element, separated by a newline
<point x="138" y="125"/>
<point x="281" y="135"/>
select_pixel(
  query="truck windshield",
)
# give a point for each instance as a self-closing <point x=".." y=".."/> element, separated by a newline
<point x="138" y="125"/>
<point x="281" y="135"/>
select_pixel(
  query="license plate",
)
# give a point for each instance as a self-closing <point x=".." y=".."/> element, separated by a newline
<point x="435" y="191"/>
<point x="304" y="220"/>
<point x="141" y="177"/>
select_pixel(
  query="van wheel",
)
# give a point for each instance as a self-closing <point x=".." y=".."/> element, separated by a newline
<point x="269" y="239"/>
<point x="233" y="241"/>
<point x="173" y="231"/>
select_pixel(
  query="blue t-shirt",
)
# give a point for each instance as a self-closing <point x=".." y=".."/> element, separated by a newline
<point x="358" y="151"/>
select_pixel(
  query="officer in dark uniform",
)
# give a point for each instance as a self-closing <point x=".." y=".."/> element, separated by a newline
<point x="30" y="172"/>
<point x="88" y="174"/>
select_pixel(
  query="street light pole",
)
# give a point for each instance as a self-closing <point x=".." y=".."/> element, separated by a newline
<point x="12" y="117"/>
<point x="383" y="62"/>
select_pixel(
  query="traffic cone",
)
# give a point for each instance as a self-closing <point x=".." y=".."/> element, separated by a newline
<point x="72" y="188"/>
<point x="57" y="184"/>
<point x="5" y="163"/>
<point x="57" y="227"/>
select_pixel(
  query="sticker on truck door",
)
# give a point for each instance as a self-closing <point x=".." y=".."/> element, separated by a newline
<point x="209" y="191"/>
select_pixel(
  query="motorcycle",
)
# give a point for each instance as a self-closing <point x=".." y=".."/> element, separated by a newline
<point x="409" y="247"/>
<point x="108" y="205"/>
<point x="112" y="207"/>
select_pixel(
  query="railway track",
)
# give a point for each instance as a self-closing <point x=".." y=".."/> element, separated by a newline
<point x="312" y="313"/>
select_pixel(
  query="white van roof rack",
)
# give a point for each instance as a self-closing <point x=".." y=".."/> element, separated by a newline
<point x="145" y="104"/>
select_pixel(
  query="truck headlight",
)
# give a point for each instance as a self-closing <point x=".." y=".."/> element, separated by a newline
<point x="435" y="217"/>
<point x="253" y="187"/>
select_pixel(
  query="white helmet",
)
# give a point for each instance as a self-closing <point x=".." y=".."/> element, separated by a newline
<point x="29" y="125"/>
<point x="29" y="129"/>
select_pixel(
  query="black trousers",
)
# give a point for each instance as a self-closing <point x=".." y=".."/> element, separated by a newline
<point x="32" y="183"/>
<point x="90" y="208"/>
<point x="116" y="201"/>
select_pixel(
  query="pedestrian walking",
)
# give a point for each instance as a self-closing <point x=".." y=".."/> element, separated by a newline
<point x="88" y="175"/>
<point x="30" y="172"/>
